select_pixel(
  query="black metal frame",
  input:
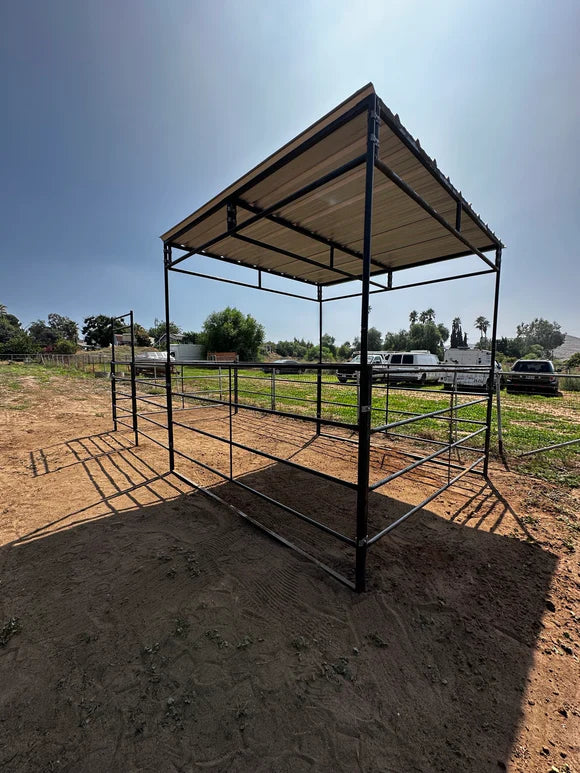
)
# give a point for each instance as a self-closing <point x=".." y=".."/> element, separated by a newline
<point x="376" y="113"/>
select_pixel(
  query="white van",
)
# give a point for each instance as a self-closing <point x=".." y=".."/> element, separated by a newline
<point x="472" y="369"/>
<point x="416" y="365"/>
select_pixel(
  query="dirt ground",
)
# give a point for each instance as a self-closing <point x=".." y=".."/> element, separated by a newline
<point x="156" y="630"/>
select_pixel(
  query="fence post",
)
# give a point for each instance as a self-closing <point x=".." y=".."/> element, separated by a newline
<point x="498" y="403"/>
<point x="236" y="387"/>
<point x="273" y="390"/>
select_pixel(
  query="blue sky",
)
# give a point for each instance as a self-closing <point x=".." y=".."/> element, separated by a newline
<point x="120" y="118"/>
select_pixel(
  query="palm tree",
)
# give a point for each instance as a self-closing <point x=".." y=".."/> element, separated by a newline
<point x="413" y="317"/>
<point x="481" y="324"/>
<point x="427" y="316"/>
<point x="2" y="309"/>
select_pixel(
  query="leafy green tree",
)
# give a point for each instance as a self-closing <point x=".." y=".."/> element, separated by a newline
<point x="98" y="330"/>
<point x="397" y="342"/>
<point x="64" y="327"/>
<point x="230" y="331"/>
<point x="158" y="329"/>
<point x="329" y="343"/>
<point x="19" y="343"/>
<point x="547" y="335"/>
<point x="141" y="335"/>
<point x="9" y="327"/>
<point x="42" y="334"/>
<point x="535" y="352"/>
<point x="64" y="347"/>
<point x="344" y="352"/>
<point x="190" y="337"/>
<point x="573" y="361"/>
<point x="428" y="336"/>
<point x="375" y="339"/>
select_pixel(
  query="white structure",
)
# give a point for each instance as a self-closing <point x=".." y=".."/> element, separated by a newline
<point x="475" y="364"/>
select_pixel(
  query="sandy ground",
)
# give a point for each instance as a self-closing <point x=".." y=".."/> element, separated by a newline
<point x="156" y="630"/>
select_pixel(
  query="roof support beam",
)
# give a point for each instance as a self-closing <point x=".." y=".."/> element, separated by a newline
<point x="300" y="229"/>
<point x="295" y="256"/>
<point x="394" y="177"/>
<point x="304" y="191"/>
<point x="393" y="123"/>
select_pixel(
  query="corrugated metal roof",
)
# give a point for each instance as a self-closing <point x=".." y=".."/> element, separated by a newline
<point x="295" y="237"/>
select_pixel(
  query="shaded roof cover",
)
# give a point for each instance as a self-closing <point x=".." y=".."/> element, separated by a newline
<point x="403" y="234"/>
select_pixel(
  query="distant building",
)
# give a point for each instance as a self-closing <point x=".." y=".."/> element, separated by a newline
<point x="570" y="346"/>
<point x="174" y="338"/>
<point x="122" y="339"/>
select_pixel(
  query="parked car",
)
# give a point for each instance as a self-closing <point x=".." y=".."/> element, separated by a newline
<point x="379" y="361"/>
<point x="475" y="372"/>
<point x="417" y="365"/>
<point x="283" y="366"/>
<point x="532" y="376"/>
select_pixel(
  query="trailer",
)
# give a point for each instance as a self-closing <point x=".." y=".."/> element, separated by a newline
<point x="472" y="371"/>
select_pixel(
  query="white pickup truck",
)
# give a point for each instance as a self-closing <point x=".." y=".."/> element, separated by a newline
<point x="379" y="361"/>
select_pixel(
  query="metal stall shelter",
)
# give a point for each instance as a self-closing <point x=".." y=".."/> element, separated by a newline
<point x="352" y="198"/>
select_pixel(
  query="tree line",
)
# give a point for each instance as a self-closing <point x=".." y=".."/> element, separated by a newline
<point x="231" y="330"/>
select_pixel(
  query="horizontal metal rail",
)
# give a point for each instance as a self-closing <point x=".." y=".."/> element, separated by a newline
<point x="424" y="460"/>
<point x="269" y="532"/>
<point x="397" y="451"/>
<point x="258" y="409"/>
<point x="282" y="397"/>
<point x="426" y="501"/>
<point x="549" y="448"/>
<point x="152" y="421"/>
<point x="418" y="439"/>
<point x="254" y="365"/>
<point x="323" y="527"/>
<point x="241" y="284"/>
<point x="452" y="419"/>
<point x="153" y="440"/>
<point x="422" y="416"/>
<point x="412" y="284"/>
<point x="266" y="455"/>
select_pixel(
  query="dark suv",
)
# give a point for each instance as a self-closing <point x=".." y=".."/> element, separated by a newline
<point x="535" y="376"/>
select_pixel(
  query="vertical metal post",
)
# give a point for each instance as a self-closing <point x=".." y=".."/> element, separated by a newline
<point x="113" y="385"/>
<point x="133" y="380"/>
<point x="452" y="423"/>
<point x="182" y="389"/>
<point x="319" y="374"/>
<point x="491" y="378"/>
<point x="273" y="390"/>
<point x="168" y="387"/>
<point x="364" y="408"/>
<point x="236" y="387"/>
<point x="498" y="410"/>
<point x="231" y="427"/>
<point x="387" y="394"/>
